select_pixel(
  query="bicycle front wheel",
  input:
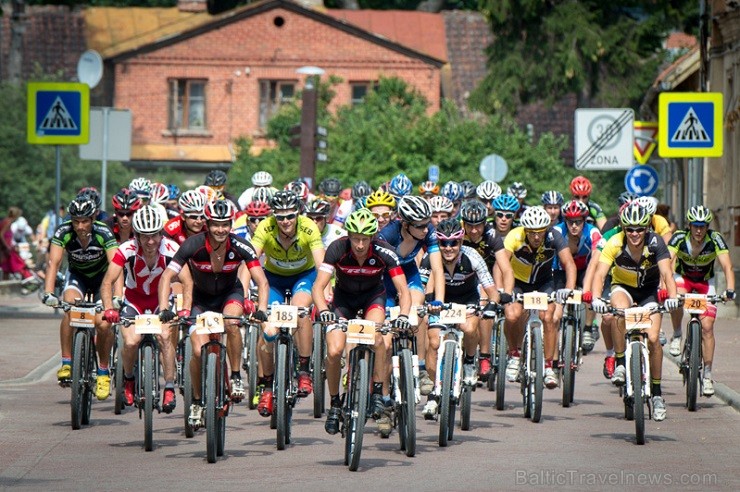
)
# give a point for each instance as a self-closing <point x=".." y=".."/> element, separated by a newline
<point x="147" y="378"/>
<point x="638" y="397"/>
<point x="187" y="386"/>
<point x="569" y="363"/>
<point x="117" y="369"/>
<point x="357" y="413"/>
<point x="446" y="403"/>
<point x="407" y="419"/>
<point x="210" y="404"/>
<point x="317" y="370"/>
<point x="250" y="364"/>
<point x="693" y="354"/>
<point x="465" y="404"/>
<point x="501" y="350"/>
<point x="281" y="391"/>
<point x="537" y="369"/>
<point x="79" y="369"/>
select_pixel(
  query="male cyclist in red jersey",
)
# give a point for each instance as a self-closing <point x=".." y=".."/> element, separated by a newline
<point x="580" y="188"/>
<point x="192" y="219"/>
<point x="125" y="203"/>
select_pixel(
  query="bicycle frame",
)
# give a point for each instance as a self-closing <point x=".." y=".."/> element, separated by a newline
<point x="637" y="339"/>
<point x="450" y="335"/>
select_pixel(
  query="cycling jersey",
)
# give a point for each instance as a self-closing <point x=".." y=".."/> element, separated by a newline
<point x="697" y="266"/>
<point x="175" y="229"/>
<point x="240" y="227"/>
<point x="196" y="252"/>
<point x="298" y="258"/>
<point x="360" y="279"/>
<point x="533" y="267"/>
<point x="115" y="228"/>
<point x="658" y="224"/>
<point x="595" y="212"/>
<point x="141" y="282"/>
<point x="340" y="212"/>
<point x="587" y="242"/>
<point x="331" y="233"/>
<point x="462" y="284"/>
<point x="489" y="244"/>
<point x="642" y="274"/>
<point x="87" y="261"/>
<point x="391" y="233"/>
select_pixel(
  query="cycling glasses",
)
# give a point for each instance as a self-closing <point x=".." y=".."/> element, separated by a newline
<point x="317" y="218"/>
<point x="448" y="243"/>
<point x="124" y="214"/>
<point x="574" y="222"/>
<point x="505" y="215"/>
<point x="289" y="216"/>
<point x="635" y="230"/>
<point x="382" y="215"/>
<point x="195" y="217"/>
<point x="256" y="220"/>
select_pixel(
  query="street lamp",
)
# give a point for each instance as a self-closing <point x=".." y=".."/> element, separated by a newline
<point x="308" y="123"/>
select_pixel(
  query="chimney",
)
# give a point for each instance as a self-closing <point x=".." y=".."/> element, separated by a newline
<point x="192" y="5"/>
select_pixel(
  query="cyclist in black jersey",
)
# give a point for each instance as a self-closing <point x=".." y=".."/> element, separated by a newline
<point x="90" y="247"/>
<point x="359" y="263"/>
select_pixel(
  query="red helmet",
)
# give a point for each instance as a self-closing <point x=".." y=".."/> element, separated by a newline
<point x="258" y="209"/>
<point x="575" y="210"/>
<point x="126" y="200"/>
<point x="580" y="186"/>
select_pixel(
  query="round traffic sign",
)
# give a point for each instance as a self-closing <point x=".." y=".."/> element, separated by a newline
<point x="493" y="167"/>
<point x="90" y="68"/>
<point x="641" y="180"/>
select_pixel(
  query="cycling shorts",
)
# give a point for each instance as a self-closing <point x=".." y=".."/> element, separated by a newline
<point x="300" y="282"/>
<point x="203" y="302"/>
<point x="546" y="287"/>
<point x="701" y="287"/>
<point x="641" y="297"/>
<point x="413" y="279"/>
<point x="347" y="305"/>
<point x="83" y="284"/>
<point x="559" y="279"/>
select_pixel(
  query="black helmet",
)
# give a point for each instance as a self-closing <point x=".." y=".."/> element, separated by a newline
<point x="318" y="207"/>
<point x="330" y="187"/>
<point x="449" y="229"/>
<point x="285" y="200"/>
<point x="361" y="189"/>
<point x="468" y="189"/>
<point x="92" y="194"/>
<point x="473" y="211"/>
<point x="82" y="206"/>
<point x="220" y="210"/>
<point x="215" y="178"/>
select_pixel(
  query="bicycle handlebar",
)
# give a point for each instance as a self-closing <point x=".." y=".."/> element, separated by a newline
<point x="66" y="306"/>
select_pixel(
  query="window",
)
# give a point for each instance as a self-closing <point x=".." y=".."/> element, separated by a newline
<point x="187" y="104"/>
<point x="359" y="91"/>
<point x="273" y="94"/>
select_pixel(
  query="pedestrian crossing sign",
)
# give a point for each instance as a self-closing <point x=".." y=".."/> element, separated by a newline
<point x="690" y="124"/>
<point x="58" y="113"/>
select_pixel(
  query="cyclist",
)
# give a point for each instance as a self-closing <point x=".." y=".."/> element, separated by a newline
<point x="171" y="203"/>
<point x="532" y="247"/>
<point x="613" y="221"/>
<point x="91" y="193"/>
<point x="487" y="191"/>
<point x="580" y="188"/>
<point x="142" y="187"/>
<point x="318" y="211"/>
<point x="90" y="247"/>
<point x="441" y="209"/>
<point x="468" y="189"/>
<point x="260" y="179"/>
<point x="125" y="203"/>
<point x="255" y="212"/>
<point x="192" y="219"/>
<point x="638" y="260"/>
<point x="360" y="262"/>
<point x="158" y="196"/>
<point x="214" y="281"/>
<point x="505" y="209"/>
<point x="553" y="201"/>
<point x="518" y="191"/>
<point x="400" y="185"/>
<point x="359" y="193"/>
<point x="454" y="192"/>
<point x="429" y="189"/>
<point x="482" y="237"/>
<point x="658" y="223"/>
<point x="142" y="259"/>
<point x="293" y="252"/>
<point x="694" y="251"/>
<point x="298" y="187"/>
<point x="383" y="207"/>
<point x="216" y="180"/>
<point x="464" y="270"/>
<point x="329" y="190"/>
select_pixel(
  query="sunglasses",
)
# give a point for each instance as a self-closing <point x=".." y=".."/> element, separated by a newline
<point x="419" y="226"/>
<point x="535" y="231"/>
<point x="574" y="222"/>
<point x="473" y="224"/>
<point x="124" y="214"/>
<point x="256" y="220"/>
<point x="382" y="215"/>
<point x="505" y="215"/>
<point x="580" y="197"/>
<point x="634" y="230"/>
<point x="699" y="224"/>
<point x="448" y="243"/>
<point x="290" y="216"/>
<point x="195" y="217"/>
<point x="317" y="218"/>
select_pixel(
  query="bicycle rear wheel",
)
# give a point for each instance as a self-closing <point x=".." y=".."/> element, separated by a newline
<point x="501" y="351"/>
<point x="446" y="403"/>
<point x="281" y="391"/>
<point x="210" y="404"/>
<point x="465" y="404"/>
<point x="79" y="368"/>
<point x="638" y="398"/>
<point x="537" y="369"/>
<point x="187" y="386"/>
<point x="147" y="376"/>
<point x="251" y="363"/>
<point x="357" y="414"/>
<point x="569" y="361"/>
<point x="221" y="407"/>
<point x="407" y="419"/>
<point x="117" y="368"/>
<point x="317" y="370"/>
<point x="693" y="353"/>
<point x="491" y="381"/>
<point x="88" y="379"/>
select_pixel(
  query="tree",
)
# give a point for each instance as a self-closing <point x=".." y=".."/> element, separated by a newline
<point x="607" y="53"/>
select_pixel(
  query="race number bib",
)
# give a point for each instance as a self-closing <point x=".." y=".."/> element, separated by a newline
<point x="413" y="315"/>
<point x="637" y="318"/>
<point x="282" y="316"/>
<point x="82" y="317"/>
<point x="535" y="300"/>
<point x="695" y="303"/>
<point x="453" y="316"/>
<point x="147" y="324"/>
<point x="361" y="331"/>
<point x="575" y="297"/>
<point x="208" y="323"/>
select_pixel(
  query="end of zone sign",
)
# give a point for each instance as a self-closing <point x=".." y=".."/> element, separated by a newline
<point x="58" y="113"/>
<point x="690" y="124"/>
<point x="604" y="138"/>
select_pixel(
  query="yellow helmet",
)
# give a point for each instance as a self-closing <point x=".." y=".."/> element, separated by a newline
<point x="380" y="198"/>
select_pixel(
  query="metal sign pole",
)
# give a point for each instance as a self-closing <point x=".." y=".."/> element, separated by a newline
<point x="58" y="190"/>
<point x="104" y="177"/>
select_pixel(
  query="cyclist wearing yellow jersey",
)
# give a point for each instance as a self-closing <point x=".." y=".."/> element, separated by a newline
<point x="293" y="252"/>
<point x="638" y="260"/>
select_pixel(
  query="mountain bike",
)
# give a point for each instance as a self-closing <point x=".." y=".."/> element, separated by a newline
<point x="183" y="355"/>
<point x="690" y="364"/>
<point x="318" y="370"/>
<point x="250" y="363"/>
<point x="497" y="379"/>
<point x="571" y="336"/>
<point x="84" y="358"/>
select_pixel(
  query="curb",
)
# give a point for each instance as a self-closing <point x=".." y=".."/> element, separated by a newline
<point x="721" y="391"/>
<point x="38" y="374"/>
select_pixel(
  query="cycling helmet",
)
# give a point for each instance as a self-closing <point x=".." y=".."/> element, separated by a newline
<point x="285" y="200"/>
<point x="380" y="198"/>
<point x="649" y="202"/>
<point x="126" y="199"/>
<point x="261" y="178"/>
<point x="441" y="203"/>
<point x="413" y="208"/>
<point x="429" y="188"/>
<point x="263" y="195"/>
<point x="699" y="213"/>
<point x="140" y="186"/>
<point x="82" y="206"/>
<point x="192" y="202"/>
<point x="452" y="190"/>
<point x="626" y="197"/>
<point x="208" y="192"/>
<point x="318" y="207"/>
<point x="517" y="190"/>
<point x="92" y="194"/>
<point x="506" y="203"/>
<point x="468" y="189"/>
<point x="400" y="185"/>
<point x="215" y="178"/>
<point x="575" y="209"/>
<point x="147" y="220"/>
<point x="361" y="221"/>
<point x="580" y="186"/>
<point x="360" y="189"/>
<point x="359" y="203"/>
<point x="488" y="190"/>
<point x="473" y="212"/>
<point x="220" y="210"/>
<point x="298" y="187"/>
<point x="634" y="214"/>
<point x="258" y="209"/>
<point x="159" y="193"/>
<point x="450" y="229"/>
<point x="330" y="187"/>
<point x="535" y="218"/>
<point x="552" y="198"/>
<point x="174" y="191"/>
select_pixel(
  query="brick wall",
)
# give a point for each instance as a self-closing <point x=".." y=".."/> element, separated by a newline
<point x="558" y="119"/>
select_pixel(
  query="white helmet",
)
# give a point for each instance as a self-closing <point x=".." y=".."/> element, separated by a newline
<point x="649" y="202"/>
<point x="192" y="202"/>
<point x="441" y="203"/>
<point x="535" y="218"/>
<point x="147" y="220"/>
<point x="262" y="195"/>
<point x="413" y="208"/>
<point x="140" y="186"/>
<point x="488" y="190"/>
<point x="261" y="178"/>
<point x="159" y="193"/>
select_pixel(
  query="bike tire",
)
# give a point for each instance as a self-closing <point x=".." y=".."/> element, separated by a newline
<point x="91" y="365"/>
<point x="446" y="417"/>
<point x="407" y="419"/>
<point x="221" y="408"/>
<point x="210" y="404"/>
<point x="281" y="391"/>
<point x="568" y="361"/>
<point x="117" y="369"/>
<point x="360" y="384"/>
<point x="147" y="375"/>
<point x="694" y="362"/>
<point x="501" y="360"/>
<point x="538" y="366"/>
<point x="317" y="370"/>
<point x="465" y="407"/>
<point x="491" y="381"/>
<point x="638" y="399"/>
<point x="187" y="387"/>
<point x="79" y="358"/>
<point x="251" y="364"/>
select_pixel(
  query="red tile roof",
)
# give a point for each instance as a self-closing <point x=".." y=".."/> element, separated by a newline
<point x="678" y="40"/>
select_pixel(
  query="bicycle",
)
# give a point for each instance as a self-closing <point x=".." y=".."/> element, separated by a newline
<point x="250" y="363"/>
<point x="84" y="358"/>
<point x="497" y="378"/>
<point x="318" y="370"/>
<point x="569" y="346"/>
<point x="183" y="355"/>
<point x="690" y="364"/>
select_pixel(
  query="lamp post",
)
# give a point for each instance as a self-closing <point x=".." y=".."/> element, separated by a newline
<point x="308" y="123"/>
